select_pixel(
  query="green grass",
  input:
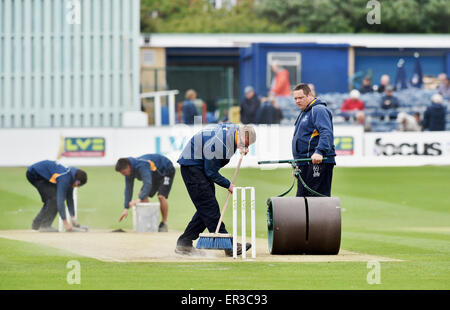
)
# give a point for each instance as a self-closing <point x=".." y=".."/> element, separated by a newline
<point x="400" y="213"/>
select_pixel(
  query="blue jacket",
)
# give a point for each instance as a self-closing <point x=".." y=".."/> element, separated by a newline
<point x="434" y="117"/>
<point x="210" y="150"/>
<point x="314" y="133"/>
<point x="63" y="177"/>
<point x="144" y="168"/>
<point x="189" y="111"/>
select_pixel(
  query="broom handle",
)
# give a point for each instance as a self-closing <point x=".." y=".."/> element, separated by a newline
<point x="229" y="194"/>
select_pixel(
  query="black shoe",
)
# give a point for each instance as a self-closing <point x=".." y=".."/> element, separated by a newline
<point x="163" y="227"/>
<point x="229" y="252"/>
<point x="188" y="251"/>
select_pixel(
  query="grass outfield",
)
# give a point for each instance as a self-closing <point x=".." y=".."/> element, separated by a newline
<point x="400" y="213"/>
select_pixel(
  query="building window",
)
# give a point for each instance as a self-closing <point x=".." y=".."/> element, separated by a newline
<point x="289" y="61"/>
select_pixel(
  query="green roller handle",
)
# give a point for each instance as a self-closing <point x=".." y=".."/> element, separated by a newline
<point x="286" y="161"/>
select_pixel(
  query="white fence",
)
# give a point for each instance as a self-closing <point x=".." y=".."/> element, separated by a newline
<point x="103" y="146"/>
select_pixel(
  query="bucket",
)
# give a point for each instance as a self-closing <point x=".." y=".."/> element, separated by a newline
<point x="146" y="217"/>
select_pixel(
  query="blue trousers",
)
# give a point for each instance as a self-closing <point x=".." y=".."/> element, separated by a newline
<point x="203" y="194"/>
<point x="317" y="177"/>
<point x="49" y="210"/>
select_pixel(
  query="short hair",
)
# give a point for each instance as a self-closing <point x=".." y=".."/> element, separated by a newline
<point x="248" y="130"/>
<point x="437" y="98"/>
<point x="81" y="176"/>
<point x="248" y="89"/>
<point x="190" y="94"/>
<point x="304" y="87"/>
<point x="122" y="163"/>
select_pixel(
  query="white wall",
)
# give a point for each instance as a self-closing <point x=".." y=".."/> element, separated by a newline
<point x="23" y="147"/>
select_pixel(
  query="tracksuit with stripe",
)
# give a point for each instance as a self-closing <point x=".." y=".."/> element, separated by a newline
<point x="314" y="134"/>
<point x="54" y="183"/>
<point x="156" y="173"/>
<point x="202" y="158"/>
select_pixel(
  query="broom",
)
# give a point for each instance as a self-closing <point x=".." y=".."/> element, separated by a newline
<point x="217" y="241"/>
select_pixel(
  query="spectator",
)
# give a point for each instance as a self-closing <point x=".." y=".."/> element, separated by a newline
<point x="249" y="106"/>
<point x="281" y="90"/>
<point x="389" y="101"/>
<point x="366" y="86"/>
<point x="384" y="82"/>
<point x="361" y="120"/>
<point x="417" y="117"/>
<point x="189" y="110"/>
<point x="352" y="104"/>
<point x="269" y="112"/>
<point x="281" y="85"/>
<point x="407" y="122"/>
<point x="434" y="116"/>
<point x="444" y="85"/>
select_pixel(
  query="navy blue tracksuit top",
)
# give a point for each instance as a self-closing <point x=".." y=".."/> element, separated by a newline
<point x="210" y="150"/>
<point x="63" y="177"/>
<point x="142" y="169"/>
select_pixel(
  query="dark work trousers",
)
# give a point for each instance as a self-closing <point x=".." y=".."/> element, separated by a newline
<point x="317" y="177"/>
<point x="203" y="194"/>
<point x="49" y="210"/>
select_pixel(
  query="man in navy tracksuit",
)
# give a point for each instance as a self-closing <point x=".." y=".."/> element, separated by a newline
<point x="202" y="158"/>
<point x="313" y="138"/>
<point x="55" y="184"/>
<point x="157" y="174"/>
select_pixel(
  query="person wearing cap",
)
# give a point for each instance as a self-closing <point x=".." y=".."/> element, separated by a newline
<point x="200" y="161"/>
<point x="249" y="106"/>
<point x="434" y="116"/>
<point x="366" y="86"/>
<point x="55" y="184"/>
<point x="352" y="104"/>
<point x="389" y="101"/>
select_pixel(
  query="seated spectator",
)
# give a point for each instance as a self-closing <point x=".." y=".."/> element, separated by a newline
<point x="189" y="110"/>
<point x="249" y="106"/>
<point x="444" y="85"/>
<point x="366" y="86"/>
<point x="417" y="117"/>
<point x="269" y="112"/>
<point x="434" y="116"/>
<point x="389" y="101"/>
<point x="407" y="122"/>
<point x="361" y="120"/>
<point x="384" y="82"/>
<point x="352" y="104"/>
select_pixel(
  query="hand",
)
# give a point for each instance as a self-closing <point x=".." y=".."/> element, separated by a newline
<point x="243" y="150"/>
<point x="230" y="189"/>
<point x="316" y="158"/>
<point x="133" y="202"/>
<point x="67" y="225"/>
<point x="74" y="222"/>
<point x="123" y="215"/>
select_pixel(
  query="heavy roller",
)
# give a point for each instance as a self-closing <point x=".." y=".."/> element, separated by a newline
<point x="303" y="225"/>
